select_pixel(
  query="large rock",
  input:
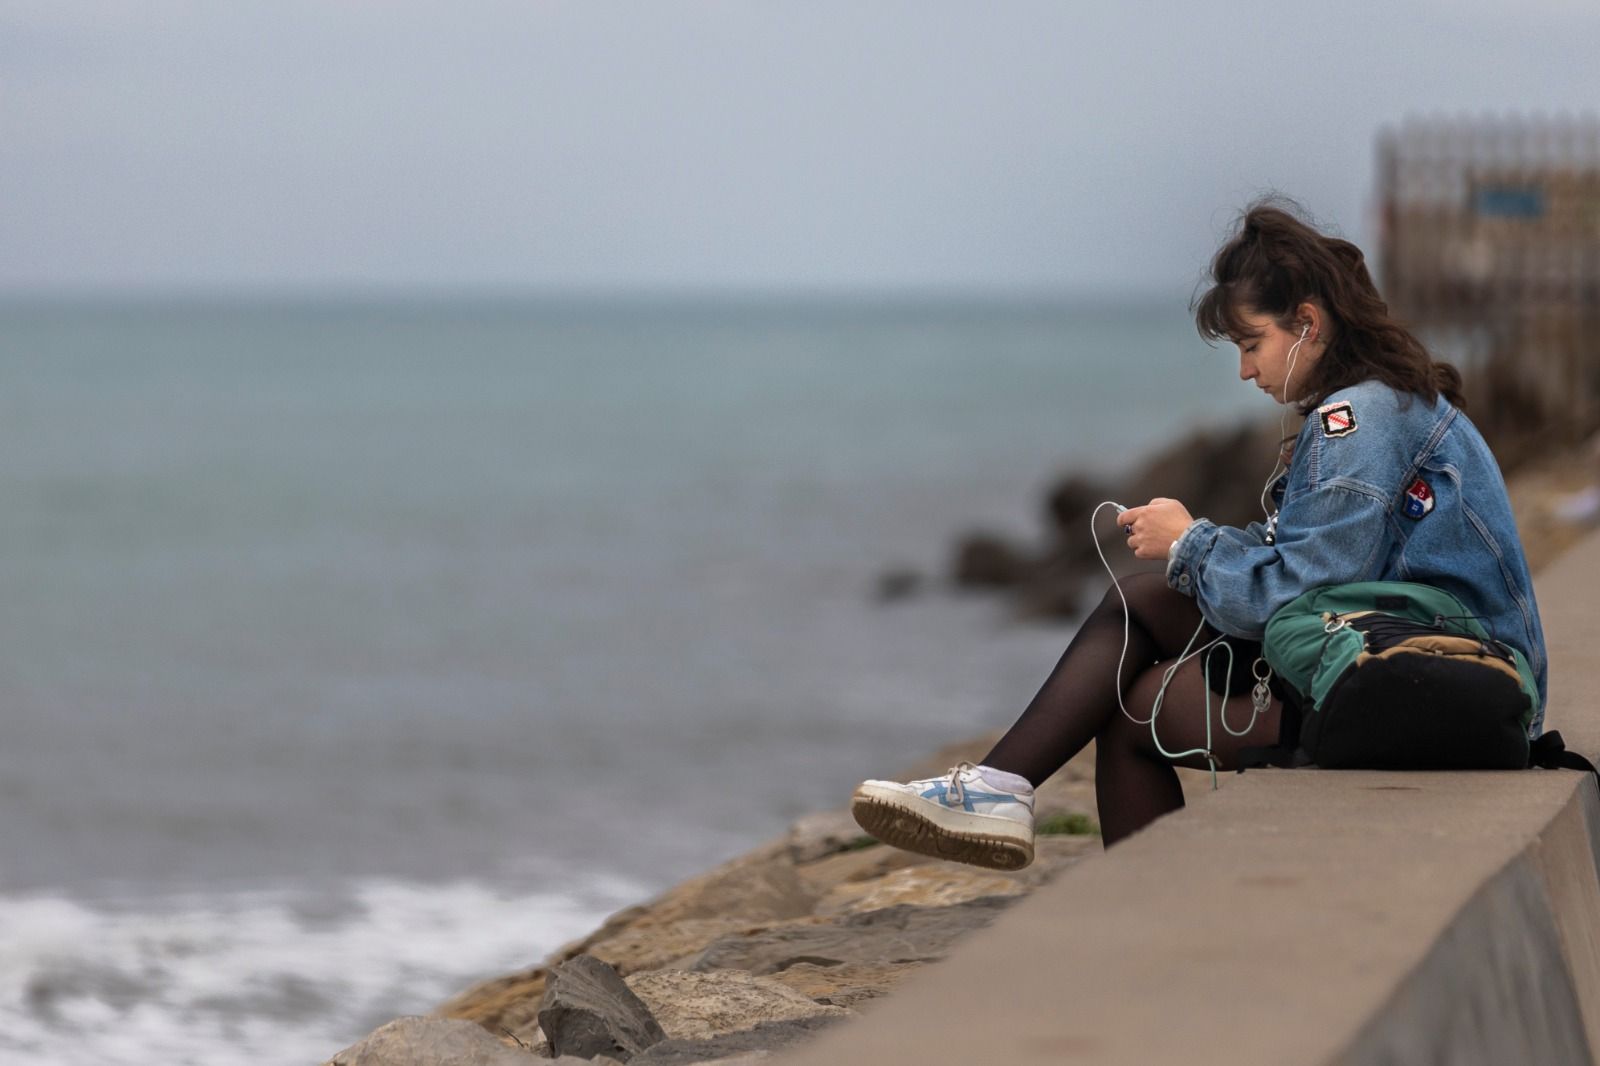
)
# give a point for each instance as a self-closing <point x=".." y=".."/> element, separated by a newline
<point x="933" y="885"/>
<point x="587" y="1010"/>
<point x="1070" y="501"/>
<point x="844" y="986"/>
<point x="893" y="935"/>
<point x="698" y="1006"/>
<point x="897" y="584"/>
<point x="987" y="560"/>
<point x="653" y="946"/>
<point x="433" y="1042"/>
<point x="768" y="1036"/>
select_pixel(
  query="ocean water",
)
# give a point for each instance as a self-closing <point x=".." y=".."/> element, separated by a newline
<point x="354" y="651"/>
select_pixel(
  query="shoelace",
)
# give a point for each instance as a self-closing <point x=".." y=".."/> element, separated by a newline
<point x="956" y="792"/>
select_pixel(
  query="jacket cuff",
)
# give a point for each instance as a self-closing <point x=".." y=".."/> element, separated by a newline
<point x="1184" y="556"/>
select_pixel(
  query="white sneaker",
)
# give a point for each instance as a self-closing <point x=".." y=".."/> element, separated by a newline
<point x="973" y="814"/>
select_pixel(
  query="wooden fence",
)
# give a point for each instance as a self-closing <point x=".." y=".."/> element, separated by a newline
<point x="1489" y="238"/>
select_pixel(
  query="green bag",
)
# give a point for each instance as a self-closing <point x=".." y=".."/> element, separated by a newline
<point x="1395" y="675"/>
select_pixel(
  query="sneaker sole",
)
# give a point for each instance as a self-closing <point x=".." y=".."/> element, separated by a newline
<point x="980" y="844"/>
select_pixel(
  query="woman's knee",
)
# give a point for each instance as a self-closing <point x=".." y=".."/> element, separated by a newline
<point x="1136" y="586"/>
<point x="1142" y="592"/>
<point x="1153" y="608"/>
<point x="1121" y="733"/>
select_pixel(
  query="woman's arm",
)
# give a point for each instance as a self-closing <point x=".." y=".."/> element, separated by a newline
<point x="1337" y="521"/>
<point x="1329" y="536"/>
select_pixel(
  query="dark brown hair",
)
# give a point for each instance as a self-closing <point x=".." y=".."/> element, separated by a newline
<point x="1274" y="262"/>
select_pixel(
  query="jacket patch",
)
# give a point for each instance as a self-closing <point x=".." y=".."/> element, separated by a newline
<point x="1419" y="499"/>
<point x="1338" y="419"/>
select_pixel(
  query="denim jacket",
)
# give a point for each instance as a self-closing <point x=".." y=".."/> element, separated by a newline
<point x="1383" y="486"/>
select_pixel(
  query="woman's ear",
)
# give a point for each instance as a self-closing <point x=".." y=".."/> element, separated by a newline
<point x="1311" y="317"/>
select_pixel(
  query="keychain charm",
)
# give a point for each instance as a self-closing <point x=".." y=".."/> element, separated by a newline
<point x="1261" y="695"/>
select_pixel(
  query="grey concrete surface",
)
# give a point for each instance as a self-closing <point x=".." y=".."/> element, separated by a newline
<point x="1299" y="916"/>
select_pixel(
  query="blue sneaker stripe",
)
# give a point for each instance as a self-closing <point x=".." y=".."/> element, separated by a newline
<point x="940" y="792"/>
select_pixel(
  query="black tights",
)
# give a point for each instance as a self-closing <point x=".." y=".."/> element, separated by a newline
<point x="1134" y="782"/>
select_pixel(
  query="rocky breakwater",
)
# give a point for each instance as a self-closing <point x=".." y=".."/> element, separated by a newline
<point x="813" y="928"/>
<point x="1217" y="473"/>
<point x="799" y="934"/>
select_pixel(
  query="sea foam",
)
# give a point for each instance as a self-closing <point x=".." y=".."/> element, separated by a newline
<point x="260" y="977"/>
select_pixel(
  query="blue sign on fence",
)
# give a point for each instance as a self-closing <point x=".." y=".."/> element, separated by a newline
<point x="1509" y="201"/>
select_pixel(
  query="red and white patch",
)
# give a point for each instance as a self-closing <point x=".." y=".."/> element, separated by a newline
<point x="1338" y="419"/>
<point x="1419" y="499"/>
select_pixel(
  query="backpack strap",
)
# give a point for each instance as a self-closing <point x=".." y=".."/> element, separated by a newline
<point x="1550" y="752"/>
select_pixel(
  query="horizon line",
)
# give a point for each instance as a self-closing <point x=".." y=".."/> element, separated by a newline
<point x="317" y="293"/>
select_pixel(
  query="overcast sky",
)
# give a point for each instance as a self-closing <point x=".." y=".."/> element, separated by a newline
<point x="654" y="145"/>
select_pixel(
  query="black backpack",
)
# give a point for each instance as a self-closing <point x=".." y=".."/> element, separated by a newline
<point x="1395" y="675"/>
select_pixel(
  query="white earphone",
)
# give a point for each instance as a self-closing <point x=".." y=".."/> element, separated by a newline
<point x="1293" y="352"/>
<point x="1272" y="518"/>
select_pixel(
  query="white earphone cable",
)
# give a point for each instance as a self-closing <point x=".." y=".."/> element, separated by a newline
<point x="1189" y="652"/>
<point x="1277" y="463"/>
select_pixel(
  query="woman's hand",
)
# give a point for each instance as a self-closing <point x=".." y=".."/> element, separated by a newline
<point x="1151" y="529"/>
